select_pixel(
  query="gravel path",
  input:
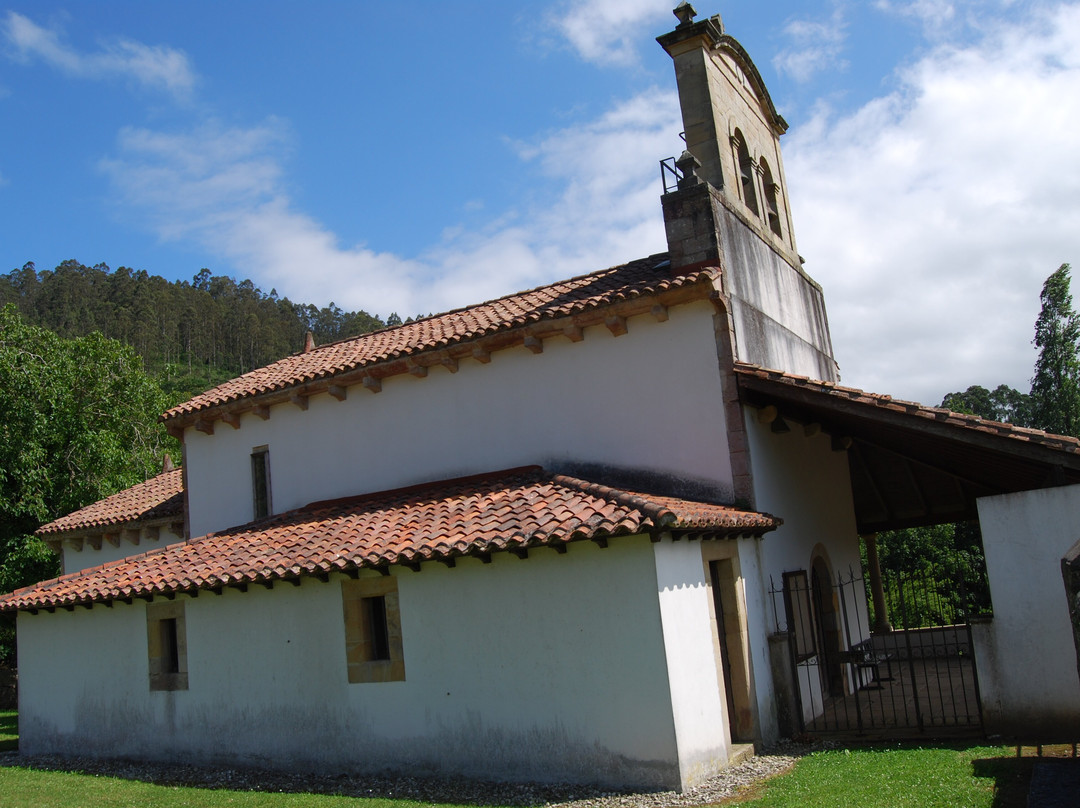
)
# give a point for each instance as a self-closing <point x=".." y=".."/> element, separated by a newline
<point x="451" y="790"/>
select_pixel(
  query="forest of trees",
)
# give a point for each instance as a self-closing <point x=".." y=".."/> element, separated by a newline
<point x="190" y="335"/>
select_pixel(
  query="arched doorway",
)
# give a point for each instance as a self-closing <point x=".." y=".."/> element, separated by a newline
<point x="827" y="625"/>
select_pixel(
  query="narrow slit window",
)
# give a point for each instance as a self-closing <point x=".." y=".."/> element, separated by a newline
<point x="170" y="646"/>
<point x="375" y="608"/>
<point x="260" y="482"/>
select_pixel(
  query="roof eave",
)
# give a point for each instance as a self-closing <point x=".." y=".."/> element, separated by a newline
<point x="55" y="539"/>
<point x="1031" y="444"/>
<point x="412" y="561"/>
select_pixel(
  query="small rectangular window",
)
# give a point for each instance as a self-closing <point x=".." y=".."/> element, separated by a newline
<point x="375" y="609"/>
<point x="373" y="648"/>
<point x="166" y="640"/>
<point x="170" y="650"/>
<point x="260" y="481"/>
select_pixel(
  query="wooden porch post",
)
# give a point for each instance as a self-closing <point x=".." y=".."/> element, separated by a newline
<point x="881" y="616"/>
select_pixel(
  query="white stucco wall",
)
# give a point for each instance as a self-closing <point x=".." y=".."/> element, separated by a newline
<point x="552" y="667"/>
<point x="1025" y="655"/>
<point x="85" y="557"/>
<point x="649" y="399"/>
<point x="778" y="312"/>
<point x="759" y="627"/>
<point x="697" y="699"/>
<point x="807" y="484"/>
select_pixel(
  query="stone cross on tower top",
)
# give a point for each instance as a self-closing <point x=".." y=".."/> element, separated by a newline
<point x="685" y="12"/>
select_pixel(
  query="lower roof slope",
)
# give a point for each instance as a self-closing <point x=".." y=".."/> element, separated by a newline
<point x="508" y="510"/>
<point x="160" y="497"/>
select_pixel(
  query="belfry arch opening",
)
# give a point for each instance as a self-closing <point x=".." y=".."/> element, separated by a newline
<point x="744" y="167"/>
<point x="772" y="204"/>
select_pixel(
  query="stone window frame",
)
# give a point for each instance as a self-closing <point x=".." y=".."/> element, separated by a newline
<point x="373" y="653"/>
<point x="166" y="642"/>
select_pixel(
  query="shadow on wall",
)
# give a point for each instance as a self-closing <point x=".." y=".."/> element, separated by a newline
<point x="644" y="480"/>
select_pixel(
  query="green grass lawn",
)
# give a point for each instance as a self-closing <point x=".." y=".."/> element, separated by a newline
<point x="953" y="776"/>
<point x="9" y="730"/>
<point x="24" y="788"/>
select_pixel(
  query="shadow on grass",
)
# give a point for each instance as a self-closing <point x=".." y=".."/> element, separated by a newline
<point x="1017" y="782"/>
<point x="1011" y="776"/>
<point x="9" y="731"/>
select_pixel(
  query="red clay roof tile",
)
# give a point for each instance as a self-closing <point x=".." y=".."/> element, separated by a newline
<point x="159" y="497"/>
<point x="644" y="277"/>
<point x="519" y="508"/>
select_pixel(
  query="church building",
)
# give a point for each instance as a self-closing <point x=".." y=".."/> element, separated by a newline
<point x="601" y="541"/>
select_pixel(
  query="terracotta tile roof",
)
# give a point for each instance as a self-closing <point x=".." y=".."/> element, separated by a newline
<point x="159" y="497"/>
<point x="637" y="279"/>
<point x="884" y="402"/>
<point x="509" y="510"/>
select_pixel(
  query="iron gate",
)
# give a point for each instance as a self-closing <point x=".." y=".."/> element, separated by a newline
<point x="917" y="679"/>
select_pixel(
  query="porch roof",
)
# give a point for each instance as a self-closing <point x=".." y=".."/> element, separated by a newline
<point x="911" y="464"/>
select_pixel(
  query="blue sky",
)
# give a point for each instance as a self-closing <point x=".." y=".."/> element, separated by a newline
<point x="415" y="158"/>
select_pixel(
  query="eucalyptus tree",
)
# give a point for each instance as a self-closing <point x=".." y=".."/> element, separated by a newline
<point x="1055" y="388"/>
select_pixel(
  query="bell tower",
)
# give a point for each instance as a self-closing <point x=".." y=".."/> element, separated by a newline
<point x="730" y="123"/>
<point x="731" y="206"/>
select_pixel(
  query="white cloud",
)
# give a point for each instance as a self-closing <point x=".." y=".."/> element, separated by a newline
<point x="608" y="31"/>
<point x="816" y="46"/>
<point x="154" y="67"/>
<point x="934" y="15"/>
<point x="942" y="19"/>
<point x="932" y="215"/>
<point x="224" y="188"/>
<point x="607" y="212"/>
